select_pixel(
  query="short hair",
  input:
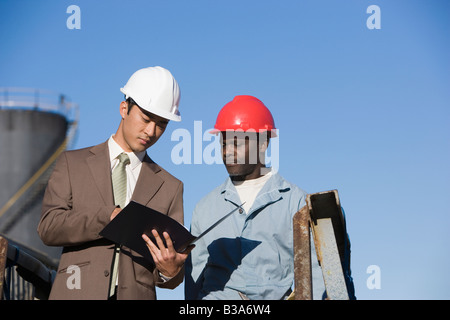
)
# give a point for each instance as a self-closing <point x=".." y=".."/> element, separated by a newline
<point x="131" y="103"/>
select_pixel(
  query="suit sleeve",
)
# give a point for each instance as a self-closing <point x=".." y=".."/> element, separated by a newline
<point x="175" y="212"/>
<point x="62" y="223"/>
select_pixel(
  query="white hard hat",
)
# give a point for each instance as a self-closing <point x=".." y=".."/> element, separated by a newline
<point x="155" y="90"/>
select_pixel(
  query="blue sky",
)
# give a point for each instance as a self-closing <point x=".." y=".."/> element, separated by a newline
<point x="359" y="110"/>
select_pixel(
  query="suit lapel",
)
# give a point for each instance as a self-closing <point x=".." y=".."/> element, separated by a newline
<point x="100" y="167"/>
<point x="148" y="182"/>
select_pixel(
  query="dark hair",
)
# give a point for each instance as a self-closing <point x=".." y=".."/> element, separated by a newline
<point x="131" y="103"/>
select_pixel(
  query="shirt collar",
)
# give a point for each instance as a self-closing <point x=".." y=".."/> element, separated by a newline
<point x="114" y="150"/>
<point x="275" y="185"/>
<point x="271" y="192"/>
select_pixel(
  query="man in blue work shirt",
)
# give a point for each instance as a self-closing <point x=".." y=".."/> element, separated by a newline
<point x="250" y="254"/>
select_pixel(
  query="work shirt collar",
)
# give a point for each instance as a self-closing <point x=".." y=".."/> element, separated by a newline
<point x="271" y="192"/>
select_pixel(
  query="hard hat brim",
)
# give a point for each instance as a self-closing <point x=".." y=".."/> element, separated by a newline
<point x="158" y="112"/>
<point x="272" y="133"/>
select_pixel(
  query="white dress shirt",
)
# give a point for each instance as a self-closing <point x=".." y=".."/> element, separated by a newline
<point x="133" y="168"/>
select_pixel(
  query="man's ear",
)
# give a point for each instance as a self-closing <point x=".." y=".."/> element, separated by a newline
<point x="123" y="109"/>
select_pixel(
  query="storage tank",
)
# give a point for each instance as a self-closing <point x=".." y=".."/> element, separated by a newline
<point x="35" y="127"/>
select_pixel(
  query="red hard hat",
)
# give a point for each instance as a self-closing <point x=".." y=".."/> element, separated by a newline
<point x="245" y="113"/>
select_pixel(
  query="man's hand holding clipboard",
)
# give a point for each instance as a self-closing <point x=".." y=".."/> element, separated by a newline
<point x="155" y="236"/>
<point x="167" y="260"/>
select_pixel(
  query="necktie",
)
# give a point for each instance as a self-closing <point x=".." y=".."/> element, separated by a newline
<point x="119" y="183"/>
<point x="119" y="180"/>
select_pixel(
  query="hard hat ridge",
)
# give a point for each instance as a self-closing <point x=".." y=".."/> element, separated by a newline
<point x="245" y="113"/>
<point x="155" y="90"/>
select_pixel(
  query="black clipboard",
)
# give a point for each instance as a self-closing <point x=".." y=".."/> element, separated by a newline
<point x="136" y="219"/>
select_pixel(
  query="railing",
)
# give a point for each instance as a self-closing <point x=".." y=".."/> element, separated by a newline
<point x="25" y="273"/>
<point x="38" y="99"/>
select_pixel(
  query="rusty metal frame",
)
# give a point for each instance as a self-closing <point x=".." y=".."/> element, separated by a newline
<point x="24" y="273"/>
<point x="302" y="255"/>
<point x="3" y="257"/>
<point x="323" y="217"/>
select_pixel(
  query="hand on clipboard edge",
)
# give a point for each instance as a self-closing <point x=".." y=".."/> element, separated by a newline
<point x="127" y="228"/>
<point x="167" y="260"/>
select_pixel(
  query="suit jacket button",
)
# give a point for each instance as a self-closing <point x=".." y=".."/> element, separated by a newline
<point x="106" y="273"/>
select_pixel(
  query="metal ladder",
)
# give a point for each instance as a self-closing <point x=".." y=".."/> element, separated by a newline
<point x="322" y="216"/>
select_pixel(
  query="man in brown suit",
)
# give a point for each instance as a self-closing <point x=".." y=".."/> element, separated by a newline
<point x="79" y="201"/>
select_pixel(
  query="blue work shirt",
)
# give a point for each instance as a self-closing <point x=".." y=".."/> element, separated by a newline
<point x="249" y="252"/>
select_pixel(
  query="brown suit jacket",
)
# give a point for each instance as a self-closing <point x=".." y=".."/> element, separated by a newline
<point x="77" y="205"/>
